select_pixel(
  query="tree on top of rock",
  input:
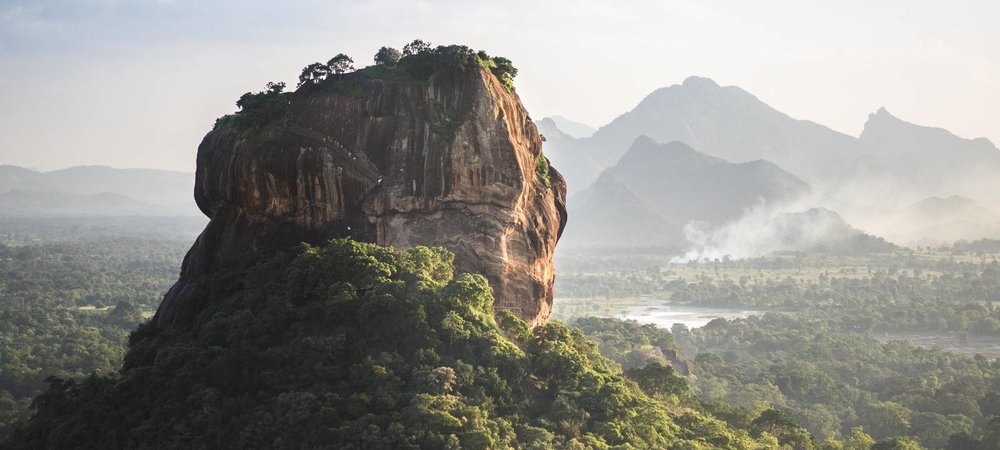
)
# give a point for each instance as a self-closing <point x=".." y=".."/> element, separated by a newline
<point x="314" y="73"/>
<point x="504" y="70"/>
<point x="417" y="46"/>
<point x="387" y="56"/>
<point x="340" y="64"/>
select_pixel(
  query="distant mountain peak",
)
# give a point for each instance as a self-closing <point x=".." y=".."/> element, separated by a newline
<point x="550" y="130"/>
<point x="645" y="151"/>
<point x="691" y="87"/>
<point x="726" y="122"/>
<point x="680" y="182"/>
<point x="699" y="82"/>
<point x="646" y="145"/>
<point x="883" y="116"/>
<point x="656" y="189"/>
<point x="568" y="127"/>
<point x="644" y="141"/>
<point x="883" y="127"/>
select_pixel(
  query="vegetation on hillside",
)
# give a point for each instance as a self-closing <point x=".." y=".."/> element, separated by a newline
<point x="66" y="310"/>
<point x="902" y="292"/>
<point x="359" y="346"/>
<point x="829" y="382"/>
<point x="255" y="108"/>
<point x="832" y="352"/>
<point x="331" y="344"/>
<point x="959" y="302"/>
<point x="833" y="381"/>
<point x="418" y="61"/>
<point x="542" y="170"/>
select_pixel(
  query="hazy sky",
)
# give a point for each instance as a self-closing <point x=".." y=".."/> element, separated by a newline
<point x="139" y="83"/>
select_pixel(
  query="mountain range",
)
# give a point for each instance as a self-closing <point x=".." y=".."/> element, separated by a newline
<point x="920" y="161"/>
<point x="95" y="191"/>
<point x="890" y="165"/>
<point x="681" y="182"/>
<point x="673" y="198"/>
<point x="726" y="122"/>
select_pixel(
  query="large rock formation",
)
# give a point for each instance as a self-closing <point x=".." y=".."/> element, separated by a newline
<point x="452" y="161"/>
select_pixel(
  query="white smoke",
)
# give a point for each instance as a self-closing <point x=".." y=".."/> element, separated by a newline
<point x="762" y="230"/>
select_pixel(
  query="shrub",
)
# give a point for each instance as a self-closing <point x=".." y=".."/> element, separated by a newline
<point x="542" y="170"/>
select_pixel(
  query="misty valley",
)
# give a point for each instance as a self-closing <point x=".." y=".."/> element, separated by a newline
<point x="399" y="256"/>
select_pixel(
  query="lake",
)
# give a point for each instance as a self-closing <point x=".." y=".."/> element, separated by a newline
<point x="665" y="314"/>
<point x="661" y="313"/>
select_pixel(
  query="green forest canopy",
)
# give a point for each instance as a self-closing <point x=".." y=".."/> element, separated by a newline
<point x="366" y="347"/>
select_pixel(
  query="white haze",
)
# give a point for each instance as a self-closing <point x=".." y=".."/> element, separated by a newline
<point x="762" y="229"/>
<point x="879" y="207"/>
<point x="871" y="205"/>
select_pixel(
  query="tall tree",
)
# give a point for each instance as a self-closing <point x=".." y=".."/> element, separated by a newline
<point x="314" y="73"/>
<point x="388" y="56"/>
<point x="340" y="64"/>
<point x="417" y="46"/>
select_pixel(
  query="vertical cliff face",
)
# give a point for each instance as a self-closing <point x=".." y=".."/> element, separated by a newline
<point x="452" y="161"/>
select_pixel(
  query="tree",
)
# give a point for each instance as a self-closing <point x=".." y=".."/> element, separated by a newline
<point x="125" y="314"/>
<point x="858" y="440"/>
<point x="896" y="443"/>
<point x="990" y="404"/>
<point x="775" y="422"/>
<point x="505" y="69"/>
<point x="314" y="73"/>
<point x="275" y="88"/>
<point x="656" y="378"/>
<point x="257" y="100"/>
<point x="888" y="419"/>
<point x="961" y="441"/>
<point x="415" y="47"/>
<point x="388" y="56"/>
<point x="991" y="435"/>
<point x="340" y="64"/>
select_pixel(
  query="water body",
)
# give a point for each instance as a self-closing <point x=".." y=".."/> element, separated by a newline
<point x="659" y="312"/>
<point x="664" y="314"/>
